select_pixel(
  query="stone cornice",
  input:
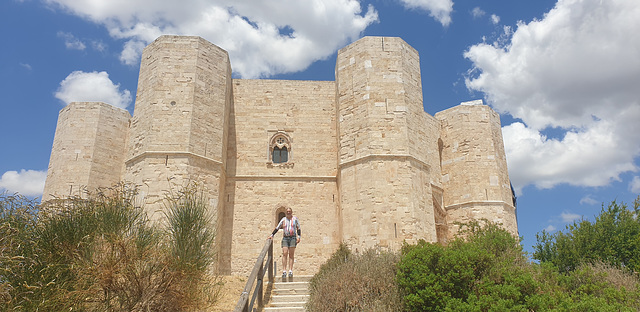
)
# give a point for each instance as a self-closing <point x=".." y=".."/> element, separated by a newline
<point x="171" y="153"/>
<point x="482" y="203"/>
<point x="281" y="177"/>
<point x="383" y="156"/>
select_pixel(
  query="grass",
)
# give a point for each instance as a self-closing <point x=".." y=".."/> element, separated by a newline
<point x="100" y="253"/>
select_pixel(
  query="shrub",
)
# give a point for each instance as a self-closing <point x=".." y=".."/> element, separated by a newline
<point x="613" y="238"/>
<point x="482" y="271"/>
<point x="356" y="282"/>
<point x="100" y="253"/>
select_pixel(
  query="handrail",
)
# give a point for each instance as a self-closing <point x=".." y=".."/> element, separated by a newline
<point x="257" y="274"/>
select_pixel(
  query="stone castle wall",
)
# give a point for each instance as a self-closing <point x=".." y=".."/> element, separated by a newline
<point x="257" y="191"/>
<point x="366" y="165"/>
<point x="88" y="149"/>
<point x="179" y="125"/>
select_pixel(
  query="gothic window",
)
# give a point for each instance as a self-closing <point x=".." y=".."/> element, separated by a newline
<point x="280" y="148"/>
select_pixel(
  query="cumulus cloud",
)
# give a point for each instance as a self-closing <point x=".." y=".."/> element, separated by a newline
<point x="568" y="217"/>
<point x="550" y="228"/>
<point x="438" y="9"/>
<point x="634" y="186"/>
<point x="25" y="182"/>
<point x="263" y="38"/>
<point x="575" y="72"/>
<point x="92" y="87"/>
<point x="587" y="200"/>
<point x="477" y="12"/>
<point x="71" y="42"/>
<point x="495" y="19"/>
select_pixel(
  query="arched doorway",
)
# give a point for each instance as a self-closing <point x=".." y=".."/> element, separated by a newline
<point x="280" y="213"/>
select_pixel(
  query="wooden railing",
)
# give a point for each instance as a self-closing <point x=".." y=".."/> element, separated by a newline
<point x="257" y="274"/>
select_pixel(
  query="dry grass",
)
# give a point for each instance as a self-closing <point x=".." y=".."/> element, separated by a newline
<point x="614" y="276"/>
<point x="230" y="289"/>
<point x="102" y="254"/>
<point x="360" y="282"/>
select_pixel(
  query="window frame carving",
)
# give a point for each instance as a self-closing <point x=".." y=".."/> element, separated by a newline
<point x="280" y="140"/>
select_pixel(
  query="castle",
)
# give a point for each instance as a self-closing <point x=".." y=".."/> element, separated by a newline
<point x="357" y="159"/>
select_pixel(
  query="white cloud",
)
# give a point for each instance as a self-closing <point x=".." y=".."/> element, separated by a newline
<point x="131" y="52"/>
<point x="25" y="182"/>
<point x="575" y="72"/>
<point x="569" y="217"/>
<point x="634" y="186"/>
<point x="495" y="19"/>
<point x="98" y="45"/>
<point x="92" y="87"/>
<point x="263" y="38"/>
<point x="477" y="12"/>
<point x="26" y="66"/>
<point x="71" y="42"/>
<point x="587" y="200"/>
<point x="438" y="9"/>
<point x="550" y="228"/>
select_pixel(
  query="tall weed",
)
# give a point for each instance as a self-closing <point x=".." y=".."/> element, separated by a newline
<point x="100" y="253"/>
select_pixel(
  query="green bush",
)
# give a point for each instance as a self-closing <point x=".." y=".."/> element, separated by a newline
<point x="485" y="270"/>
<point x="613" y="238"/>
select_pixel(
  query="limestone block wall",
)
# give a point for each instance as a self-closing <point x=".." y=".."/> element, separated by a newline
<point x="178" y="130"/>
<point x="384" y="178"/>
<point x="257" y="190"/>
<point x="474" y="167"/>
<point x="88" y="149"/>
<point x="366" y="165"/>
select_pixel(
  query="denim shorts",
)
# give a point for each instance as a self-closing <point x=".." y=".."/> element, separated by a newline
<point x="289" y="241"/>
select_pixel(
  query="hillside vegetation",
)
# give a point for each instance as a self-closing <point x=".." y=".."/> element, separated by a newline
<point x="102" y="254"/>
<point x="590" y="267"/>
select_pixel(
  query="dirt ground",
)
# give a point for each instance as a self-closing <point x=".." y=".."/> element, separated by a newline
<point x="230" y="293"/>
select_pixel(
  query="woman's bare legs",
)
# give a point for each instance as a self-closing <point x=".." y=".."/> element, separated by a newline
<point x="285" y="256"/>
<point x="292" y="252"/>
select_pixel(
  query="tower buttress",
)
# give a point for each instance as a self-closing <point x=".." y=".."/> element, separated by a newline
<point x="88" y="149"/>
<point x="179" y="125"/>
<point x="384" y="176"/>
<point x="474" y="166"/>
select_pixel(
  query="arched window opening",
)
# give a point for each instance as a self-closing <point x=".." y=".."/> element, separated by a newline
<point x="280" y="149"/>
<point x="280" y="155"/>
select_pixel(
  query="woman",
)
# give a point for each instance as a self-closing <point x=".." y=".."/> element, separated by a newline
<point x="290" y="239"/>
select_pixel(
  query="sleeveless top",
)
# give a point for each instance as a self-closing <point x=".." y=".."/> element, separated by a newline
<point x="290" y="227"/>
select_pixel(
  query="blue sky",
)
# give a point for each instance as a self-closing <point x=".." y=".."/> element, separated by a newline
<point x="565" y="76"/>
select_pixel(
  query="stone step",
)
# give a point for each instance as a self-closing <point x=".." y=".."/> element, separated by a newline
<point x="291" y="285"/>
<point x="288" y="291"/>
<point x="284" y="309"/>
<point x="296" y="278"/>
<point x="289" y="298"/>
<point x="289" y="294"/>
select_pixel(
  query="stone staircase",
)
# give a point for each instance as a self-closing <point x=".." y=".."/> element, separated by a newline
<point x="290" y="294"/>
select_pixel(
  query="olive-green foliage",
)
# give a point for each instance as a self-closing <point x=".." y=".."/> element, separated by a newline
<point x="356" y="282"/>
<point x="190" y="225"/>
<point x="95" y="254"/>
<point x="484" y="271"/>
<point x="613" y="238"/>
